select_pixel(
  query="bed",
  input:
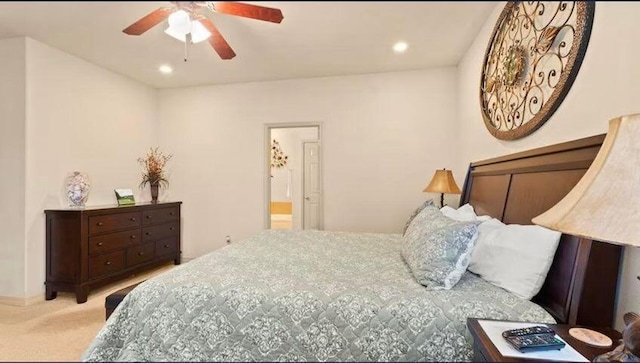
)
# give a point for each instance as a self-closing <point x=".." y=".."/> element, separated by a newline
<point x="338" y="296"/>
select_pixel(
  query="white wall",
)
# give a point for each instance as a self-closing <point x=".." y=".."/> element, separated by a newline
<point x="78" y="117"/>
<point x="383" y="135"/>
<point x="607" y="86"/>
<point x="290" y="140"/>
<point x="12" y="156"/>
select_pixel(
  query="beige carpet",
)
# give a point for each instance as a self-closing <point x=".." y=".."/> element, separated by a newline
<point x="59" y="329"/>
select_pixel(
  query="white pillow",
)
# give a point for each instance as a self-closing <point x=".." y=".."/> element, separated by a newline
<point x="463" y="214"/>
<point x="514" y="257"/>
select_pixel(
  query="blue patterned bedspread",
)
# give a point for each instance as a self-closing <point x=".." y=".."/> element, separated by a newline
<point x="301" y="296"/>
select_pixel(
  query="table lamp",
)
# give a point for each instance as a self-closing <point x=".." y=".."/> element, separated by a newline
<point x="603" y="207"/>
<point x="442" y="182"/>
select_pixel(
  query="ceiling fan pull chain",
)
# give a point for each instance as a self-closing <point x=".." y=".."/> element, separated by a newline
<point x="186" y="45"/>
<point x="185" y="51"/>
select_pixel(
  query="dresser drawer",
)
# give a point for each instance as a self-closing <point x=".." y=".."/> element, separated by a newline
<point x="112" y="222"/>
<point x="113" y="241"/>
<point x="167" y="246"/>
<point x="106" y="264"/>
<point x="154" y="216"/>
<point x="162" y="231"/>
<point x="140" y="254"/>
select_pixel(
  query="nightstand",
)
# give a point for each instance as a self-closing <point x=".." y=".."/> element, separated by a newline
<point x="485" y="351"/>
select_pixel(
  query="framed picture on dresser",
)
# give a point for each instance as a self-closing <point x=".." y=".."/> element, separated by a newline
<point x="125" y="196"/>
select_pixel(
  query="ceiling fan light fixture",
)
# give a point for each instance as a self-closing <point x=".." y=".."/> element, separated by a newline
<point x="188" y="25"/>
<point x="171" y="32"/>
<point x="180" y="22"/>
<point x="198" y="32"/>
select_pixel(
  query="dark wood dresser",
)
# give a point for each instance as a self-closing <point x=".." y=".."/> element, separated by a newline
<point x="94" y="246"/>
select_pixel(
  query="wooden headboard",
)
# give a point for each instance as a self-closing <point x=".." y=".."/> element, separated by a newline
<point x="581" y="285"/>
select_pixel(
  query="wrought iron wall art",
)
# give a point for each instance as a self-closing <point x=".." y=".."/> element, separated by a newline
<point x="278" y="158"/>
<point x="532" y="59"/>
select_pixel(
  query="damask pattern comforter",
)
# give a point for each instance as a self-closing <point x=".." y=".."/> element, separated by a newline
<point x="301" y="296"/>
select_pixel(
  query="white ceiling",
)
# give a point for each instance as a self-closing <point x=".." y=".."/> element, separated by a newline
<point x="314" y="39"/>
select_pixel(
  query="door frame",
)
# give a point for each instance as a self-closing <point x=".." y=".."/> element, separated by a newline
<point x="266" y="161"/>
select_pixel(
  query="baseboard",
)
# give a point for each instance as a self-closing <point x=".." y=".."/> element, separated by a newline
<point x="21" y="301"/>
<point x="30" y="300"/>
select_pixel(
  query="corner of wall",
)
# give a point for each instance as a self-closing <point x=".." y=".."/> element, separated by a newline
<point x="12" y="190"/>
<point x="466" y="69"/>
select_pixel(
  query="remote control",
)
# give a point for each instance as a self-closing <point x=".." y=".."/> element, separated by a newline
<point x="537" y="342"/>
<point x="527" y="331"/>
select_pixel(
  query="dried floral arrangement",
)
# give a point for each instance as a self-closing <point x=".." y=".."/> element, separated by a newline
<point x="278" y="159"/>
<point x="154" y="164"/>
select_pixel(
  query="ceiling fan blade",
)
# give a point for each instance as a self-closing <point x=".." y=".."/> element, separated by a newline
<point x="149" y="21"/>
<point x="249" y="11"/>
<point x="217" y="41"/>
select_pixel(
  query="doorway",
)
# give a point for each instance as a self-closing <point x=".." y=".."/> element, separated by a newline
<point x="293" y="180"/>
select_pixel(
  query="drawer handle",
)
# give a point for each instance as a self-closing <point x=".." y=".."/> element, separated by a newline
<point x="100" y="244"/>
<point x="166" y="246"/>
<point x="140" y="253"/>
<point x="171" y="228"/>
<point x="133" y="236"/>
<point x="148" y="233"/>
<point x="170" y="213"/>
<point x="132" y="219"/>
<point x="100" y="224"/>
<point x="108" y="263"/>
<point x="148" y="216"/>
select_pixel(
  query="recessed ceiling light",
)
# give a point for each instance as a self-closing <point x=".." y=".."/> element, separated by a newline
<point x="165" y="69"/>
<point x="400" y="47"/>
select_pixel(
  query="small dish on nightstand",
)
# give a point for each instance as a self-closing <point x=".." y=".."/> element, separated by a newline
<point x="591" y="337"/>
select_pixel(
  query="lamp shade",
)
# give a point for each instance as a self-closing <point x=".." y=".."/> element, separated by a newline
<point x="604" y="204"/>
<point x="442" y="182"/>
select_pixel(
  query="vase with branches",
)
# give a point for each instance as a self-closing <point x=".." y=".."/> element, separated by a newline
<point x="154" y="173"/>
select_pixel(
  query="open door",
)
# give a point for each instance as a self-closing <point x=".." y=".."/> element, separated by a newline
<point x="312" y="191"/>
<point x="287" y="163"/>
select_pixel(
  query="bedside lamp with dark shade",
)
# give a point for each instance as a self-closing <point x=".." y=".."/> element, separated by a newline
<point x="442" y="182"/>
<point x="603" y="206"/>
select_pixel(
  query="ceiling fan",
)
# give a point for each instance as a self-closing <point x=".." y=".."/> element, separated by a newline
<point x="188" y="23"/>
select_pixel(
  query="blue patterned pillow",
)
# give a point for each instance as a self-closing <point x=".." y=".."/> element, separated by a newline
<point x="415" y="213"/>
<point x="438" y="248"/>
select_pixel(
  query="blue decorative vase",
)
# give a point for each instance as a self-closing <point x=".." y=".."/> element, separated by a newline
<point x="78" y="187"/>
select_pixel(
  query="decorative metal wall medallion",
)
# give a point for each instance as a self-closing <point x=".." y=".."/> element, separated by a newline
<point x="532" y="59"/>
